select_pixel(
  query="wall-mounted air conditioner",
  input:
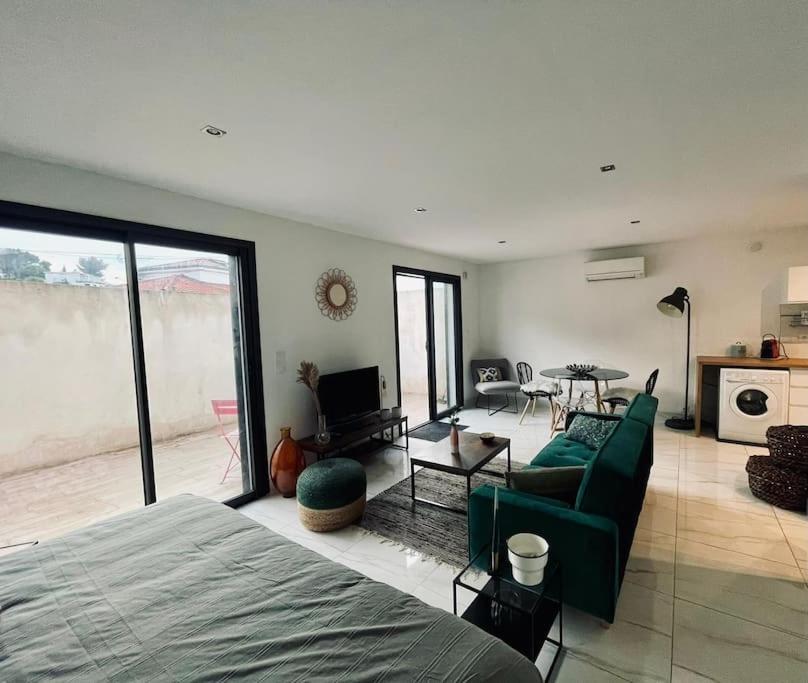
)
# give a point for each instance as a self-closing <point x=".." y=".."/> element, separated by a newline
<point x="615" y="269"/>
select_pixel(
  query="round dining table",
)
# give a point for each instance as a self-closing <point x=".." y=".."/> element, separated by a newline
<point x="595" y="376"/>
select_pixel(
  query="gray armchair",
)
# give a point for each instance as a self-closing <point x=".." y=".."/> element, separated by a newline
<point x="504" y="387"/>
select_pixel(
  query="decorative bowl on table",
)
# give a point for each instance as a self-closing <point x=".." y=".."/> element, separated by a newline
<point x="581" y="369"/>
<point x="487" y="437"/>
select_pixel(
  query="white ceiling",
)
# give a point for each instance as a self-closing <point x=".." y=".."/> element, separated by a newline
<point x="493" y="115"/>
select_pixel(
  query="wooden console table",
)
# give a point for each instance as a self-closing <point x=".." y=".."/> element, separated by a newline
<point x="375" y="430"/>
<point x="707" y="368"/>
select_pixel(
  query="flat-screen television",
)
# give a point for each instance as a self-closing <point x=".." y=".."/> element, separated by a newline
<point x="349" y="396"/>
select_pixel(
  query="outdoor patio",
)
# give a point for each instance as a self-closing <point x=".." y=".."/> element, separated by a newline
<point x="51" y="501"/>
<point x="415" y="407"/>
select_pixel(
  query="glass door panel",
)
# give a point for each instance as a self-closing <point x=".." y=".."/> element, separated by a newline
<point x="444" y="347"/>
<point x="192" y="343"/>
<point x="428" y="340"/>
<point x="412" y="348"/>
<point x="69" y="440"/>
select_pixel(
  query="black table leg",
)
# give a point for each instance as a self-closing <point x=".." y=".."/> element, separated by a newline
<point x="434" y="503"/>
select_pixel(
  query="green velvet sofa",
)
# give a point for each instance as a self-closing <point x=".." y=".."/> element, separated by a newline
<point x="591" y="539"/>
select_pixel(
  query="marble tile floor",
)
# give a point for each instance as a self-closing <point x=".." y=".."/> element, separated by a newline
<point x="716" y="588"/>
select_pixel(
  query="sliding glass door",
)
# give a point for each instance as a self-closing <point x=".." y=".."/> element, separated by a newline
<point x="445" y="336"/>
<point x="192" y="346"/>
<point x="130" y="370"/>
<point x="428" y="343"/>
<point x="69" y="443"/>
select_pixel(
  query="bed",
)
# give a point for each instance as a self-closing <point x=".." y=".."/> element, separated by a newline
<point x="190" y="590"/>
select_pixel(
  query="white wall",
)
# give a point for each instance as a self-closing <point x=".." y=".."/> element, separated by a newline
<point x="290" y="258"/>
<point x="544" y="312"/>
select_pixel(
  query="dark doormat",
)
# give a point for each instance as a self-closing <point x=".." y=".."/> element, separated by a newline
<point x="434" y="431"/>
<point x="433" y="531"/>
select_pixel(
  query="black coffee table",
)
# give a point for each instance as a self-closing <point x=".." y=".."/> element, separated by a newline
<point x="473" y="455"/>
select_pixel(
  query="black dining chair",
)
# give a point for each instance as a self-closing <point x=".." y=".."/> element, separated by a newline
<point x="622" y="396"/>
<point x="535" y="390"/>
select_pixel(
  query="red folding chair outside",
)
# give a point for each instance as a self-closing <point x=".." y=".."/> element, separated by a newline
<point x="222" y="409"/>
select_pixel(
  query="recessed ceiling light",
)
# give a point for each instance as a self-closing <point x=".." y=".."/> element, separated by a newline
<point x="420" y="209"/>
<point x="213" y="130"/>
<point x="502" y="242"/>
<point x="634" y="222"/>
<point x="607" y="167"/>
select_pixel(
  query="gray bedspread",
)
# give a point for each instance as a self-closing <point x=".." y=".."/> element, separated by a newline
<point x="190" y="590"/>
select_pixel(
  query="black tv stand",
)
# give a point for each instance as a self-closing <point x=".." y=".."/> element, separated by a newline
<point x="354" y="425"/>
<point x="367" y="435"/>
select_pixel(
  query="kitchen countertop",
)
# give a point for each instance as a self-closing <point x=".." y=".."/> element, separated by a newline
<point x="753" y="362"/>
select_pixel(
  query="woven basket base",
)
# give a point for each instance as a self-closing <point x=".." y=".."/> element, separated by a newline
<point x="782" y="487"/>
<point x="331" y="520"/>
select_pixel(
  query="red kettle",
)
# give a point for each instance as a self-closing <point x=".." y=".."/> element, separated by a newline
<point x="769" y="348"/>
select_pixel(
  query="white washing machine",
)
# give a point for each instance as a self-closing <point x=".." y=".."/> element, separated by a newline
<point x="749" y="402"/>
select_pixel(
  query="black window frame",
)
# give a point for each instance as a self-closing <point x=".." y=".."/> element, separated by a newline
<point x="431" y="277"/>
<point x="128" y="233"/>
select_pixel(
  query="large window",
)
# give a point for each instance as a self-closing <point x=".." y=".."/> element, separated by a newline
<point x="129" y="370"/>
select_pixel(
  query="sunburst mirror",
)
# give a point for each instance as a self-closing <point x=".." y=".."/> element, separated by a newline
<point x="335" y="294"/>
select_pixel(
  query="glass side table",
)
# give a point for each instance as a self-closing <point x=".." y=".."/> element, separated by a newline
<point x="521" y="616"/>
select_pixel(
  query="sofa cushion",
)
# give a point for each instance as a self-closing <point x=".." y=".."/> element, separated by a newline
<point x="563" y="452"/>
<point x="559" y="483"/>
<point x="642" y="409"/>
<point x="609" y="484"/>
<point x="495" y="388"/>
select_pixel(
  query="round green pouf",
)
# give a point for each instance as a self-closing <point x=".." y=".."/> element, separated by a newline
<point x="331" y="494"/>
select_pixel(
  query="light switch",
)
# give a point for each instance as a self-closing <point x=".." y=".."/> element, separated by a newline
<point x="280" y="362"/>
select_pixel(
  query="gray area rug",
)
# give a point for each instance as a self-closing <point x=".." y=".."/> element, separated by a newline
<point x="433" y="531"/>
<point x="434" y="431"/>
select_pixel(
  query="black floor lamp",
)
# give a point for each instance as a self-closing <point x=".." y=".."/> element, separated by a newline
<point x="674" y="305"/>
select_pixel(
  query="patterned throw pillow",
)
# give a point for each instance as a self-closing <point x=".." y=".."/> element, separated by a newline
<point x="489" y="374"/>
<point x="590" y="431"/>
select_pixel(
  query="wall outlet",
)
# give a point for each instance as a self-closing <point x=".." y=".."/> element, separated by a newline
<point x="280" y="362"/>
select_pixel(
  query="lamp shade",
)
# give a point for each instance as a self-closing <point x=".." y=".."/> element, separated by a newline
<point x="674" y="304"/>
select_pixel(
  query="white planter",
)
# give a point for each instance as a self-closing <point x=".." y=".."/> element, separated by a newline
<point x="527" y="554"/>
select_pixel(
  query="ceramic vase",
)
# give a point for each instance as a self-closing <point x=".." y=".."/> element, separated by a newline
<point x="527" y="554"/>
<point x="454" y="439"/>
<point x="323" y="436"/>
<point x="286" y="464"/>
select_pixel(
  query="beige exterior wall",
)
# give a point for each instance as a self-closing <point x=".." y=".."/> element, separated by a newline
<point x="66" y="374"/>
<point x="412" y="342"/>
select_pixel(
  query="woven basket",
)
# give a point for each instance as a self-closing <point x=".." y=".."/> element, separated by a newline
<point x="780" y="486"/>
<point x="788" y="446"/>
